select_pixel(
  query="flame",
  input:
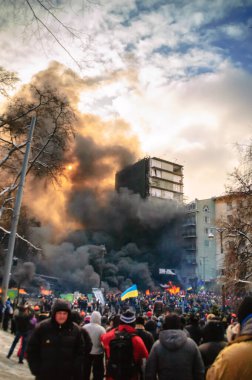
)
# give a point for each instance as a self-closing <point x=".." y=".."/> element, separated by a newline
<point x="174" y="290"/>
<point x="45" y="292"/>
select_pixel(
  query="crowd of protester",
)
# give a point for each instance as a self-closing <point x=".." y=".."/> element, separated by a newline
<point x="188" y="336"/>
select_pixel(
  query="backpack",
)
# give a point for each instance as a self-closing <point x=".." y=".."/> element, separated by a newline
<point x="121" y="365"/>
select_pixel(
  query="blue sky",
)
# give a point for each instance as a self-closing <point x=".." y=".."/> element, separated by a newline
<point x="178" y="72"/>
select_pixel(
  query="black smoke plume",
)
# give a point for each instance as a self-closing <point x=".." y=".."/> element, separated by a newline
<point x="139" y="235"/>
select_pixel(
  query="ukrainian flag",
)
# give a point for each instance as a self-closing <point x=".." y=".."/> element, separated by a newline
<point x="129" y="293"/>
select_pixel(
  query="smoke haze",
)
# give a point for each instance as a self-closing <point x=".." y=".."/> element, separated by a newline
<point x="85" y="213"/>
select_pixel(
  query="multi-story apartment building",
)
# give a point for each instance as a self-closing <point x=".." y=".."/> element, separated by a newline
<point x="199" y="262"/>
<point x="153" y="177"/>
<point x="212" y="227"/>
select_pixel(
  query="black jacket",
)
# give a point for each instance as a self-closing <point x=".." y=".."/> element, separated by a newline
<point x="56" y="351"/>
<point x="22" y="323"/>
<point x="146" y="337"/>
<point x="209" y="351"/>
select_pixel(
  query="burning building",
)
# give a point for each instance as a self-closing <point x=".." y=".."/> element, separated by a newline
<point x="153" y="177"/>
<point x="82" y="212"/>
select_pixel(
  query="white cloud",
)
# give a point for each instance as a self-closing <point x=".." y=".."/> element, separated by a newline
<point x="161" y="53"/>
<point x="234" y="31"/>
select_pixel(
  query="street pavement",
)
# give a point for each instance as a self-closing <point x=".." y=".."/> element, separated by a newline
<point x="10" y="369"/>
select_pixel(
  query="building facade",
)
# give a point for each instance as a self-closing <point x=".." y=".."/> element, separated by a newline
<point x="153" y="177"/>
<point x="199" y="261"/>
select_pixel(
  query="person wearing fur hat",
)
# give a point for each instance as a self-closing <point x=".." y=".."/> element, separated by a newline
<point x="56" y="349"/>
<point x="139" y="351"/>
<point x="95" y="358"/>
<point x="235" y="361"/>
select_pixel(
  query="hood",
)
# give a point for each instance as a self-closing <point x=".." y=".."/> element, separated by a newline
<point x="172" y="339"/>
<point x="61" y="305"/>
<point x="95" y="317"/>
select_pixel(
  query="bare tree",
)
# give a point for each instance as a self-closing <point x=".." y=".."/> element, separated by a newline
<point x="53" y="132"/>
<point x="8" y="80"/>
<point x="238" y="226"/>
<point x="44" y="20"/>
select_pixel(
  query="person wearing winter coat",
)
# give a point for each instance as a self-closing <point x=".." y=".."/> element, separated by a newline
<point x="174" y="356"/>
<point x="23" y="327"/>
<point x="213" y="342"/>
<point x="145" y="335"/>
<point x="194" y="329"/>
<point x="95" y="358"/>
<point x="7" y="314"/>
<point x="79" y="320"/>
<point x="235" y="361"/>
<point x="139" y="351"/>
<point x="56" y="349"/>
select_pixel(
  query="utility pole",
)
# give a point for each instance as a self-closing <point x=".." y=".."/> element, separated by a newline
<point x="16" y="213"/>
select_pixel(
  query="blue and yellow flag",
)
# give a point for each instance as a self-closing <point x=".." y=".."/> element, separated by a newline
<point x="129" y="293"/>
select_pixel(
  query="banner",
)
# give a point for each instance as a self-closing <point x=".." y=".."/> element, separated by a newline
<point x="98" y="295"/>
<point x="68" y="297"/>
<point x="13" y="293"/>
<point x="90" y="297"/>
<point x="167" y="271"/>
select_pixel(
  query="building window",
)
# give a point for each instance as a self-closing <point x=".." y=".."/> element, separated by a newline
<point x="156" y="163"/>
<point x="206" y="208"/>
<point x="207" y="219"/>
<point x="156" y="192"/>
<point x="206" y="243"/>
<point x="156" y="173"/>
<point x="167" y="194"/>
<point x="177" y="188"/>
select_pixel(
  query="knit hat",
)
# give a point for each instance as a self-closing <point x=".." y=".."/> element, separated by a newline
<point x="128" y="317"/>
<point x="245" y="310"/>
<point x="149" y="314"/>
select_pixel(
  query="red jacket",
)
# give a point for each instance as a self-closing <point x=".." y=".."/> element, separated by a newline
<point x="139" y="350"/>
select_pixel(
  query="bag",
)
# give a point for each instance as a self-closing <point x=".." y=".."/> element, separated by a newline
<point x="121" y="365"/>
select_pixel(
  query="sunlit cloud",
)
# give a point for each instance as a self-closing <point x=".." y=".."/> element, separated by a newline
<point x="178" y="73"/>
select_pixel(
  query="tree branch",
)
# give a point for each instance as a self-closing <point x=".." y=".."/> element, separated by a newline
<point x="51" y="33"/>
<point x="22" y="238"/>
